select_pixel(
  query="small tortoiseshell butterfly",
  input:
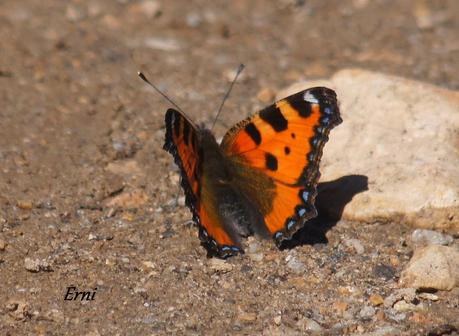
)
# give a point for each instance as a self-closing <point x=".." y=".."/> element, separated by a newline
<point x="262" y="178"/>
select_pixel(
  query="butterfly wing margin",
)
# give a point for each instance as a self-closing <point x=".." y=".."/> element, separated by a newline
<point x="183" y="142"/>
<point x="285" y="142"/>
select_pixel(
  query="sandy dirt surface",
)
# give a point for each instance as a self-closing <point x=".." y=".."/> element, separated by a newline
<point x="87" y="193"/>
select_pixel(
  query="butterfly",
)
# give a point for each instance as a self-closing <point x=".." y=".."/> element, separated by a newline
<point x="261" y="179"/>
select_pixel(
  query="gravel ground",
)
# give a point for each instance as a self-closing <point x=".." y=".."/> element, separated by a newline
<point x="87" y="195"/>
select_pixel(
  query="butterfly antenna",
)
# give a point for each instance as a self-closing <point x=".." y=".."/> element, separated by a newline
<point x="239" y="70"/>
<point x="142" y="76"/>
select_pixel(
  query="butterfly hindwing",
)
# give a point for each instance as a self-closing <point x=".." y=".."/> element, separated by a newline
<point x="184" y="142"/>
<point x="284" y="142"/>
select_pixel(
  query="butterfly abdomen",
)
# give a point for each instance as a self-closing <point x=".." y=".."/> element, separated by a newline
<point x="225" y="203"/>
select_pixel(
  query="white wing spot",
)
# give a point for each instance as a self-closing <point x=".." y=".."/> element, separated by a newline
<point x="309" y="97"/>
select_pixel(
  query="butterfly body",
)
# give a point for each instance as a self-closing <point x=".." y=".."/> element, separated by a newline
<point x="262" y="178"/>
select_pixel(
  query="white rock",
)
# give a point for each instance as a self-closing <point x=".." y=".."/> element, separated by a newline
<point x="162" y="43"/>
<point x="367" y="312"/>
<point x="403" y="306"/>
<point x="307" y="324"/>
<point x="32" y="265"/>
<point x="407" y="294"/>
<point x="355" y="244"/>
<point x="403" y="136"/>
<point x="37" y="265"/>
<point x="434" y="267"/>
<point x="295" y="265"/>
<point x="430" y="237"/>
<point x="277" y="320"/>
<point x="384" y="331"/>
<point x="256" y="256"/>
<point x="220" y="265"/>
<point x="428" y="296"/>
<point x="181" y="201"/>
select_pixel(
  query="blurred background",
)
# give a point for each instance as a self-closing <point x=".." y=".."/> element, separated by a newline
<point x="68" y="70"/>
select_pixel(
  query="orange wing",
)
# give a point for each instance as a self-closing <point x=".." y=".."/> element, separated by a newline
<point x="183" y="141"/>
<point x="284" y="142"/>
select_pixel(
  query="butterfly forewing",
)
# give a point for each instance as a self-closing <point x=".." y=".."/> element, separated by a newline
<point x="284" y="142"/>
<point x="183" y="141"/>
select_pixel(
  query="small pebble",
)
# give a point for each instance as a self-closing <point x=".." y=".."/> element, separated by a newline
<point x="422" y="237"/>
<point x="220" y="265"/>
<point x="384" y="271"/>
<point x="309" y="325"/>
<point x="26" y="205"/>
<point x="162" y="43"/>
<point x="385" y="331"/>
<point x="403" y="306"/>
<point x="360" y="329"/>
<point x="376" y="299"/>
<point x="367" y="312"/>
<point x="380" y="316"/>
<point x="247" y="317"/>
<point x="256" y="256"/>
<point x="3" y="245"/>
<point x="295" y="265"/>
<point x="36" y="265"/>
<point x="254" y="247"/>
<point x="32" y="265"/>
<point x="277" y="320"/>
<point x="407" y="294"/>
<point x="428" y="296"/>
<point x="149" y="264"/>
<point x="355" y="244"/>
<point x="398" y="317"/>
<point x="181" y="201"/>
<point x="432" y="267"/>
<point x="19" y="309"/>
<point x="128" y="199"/>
